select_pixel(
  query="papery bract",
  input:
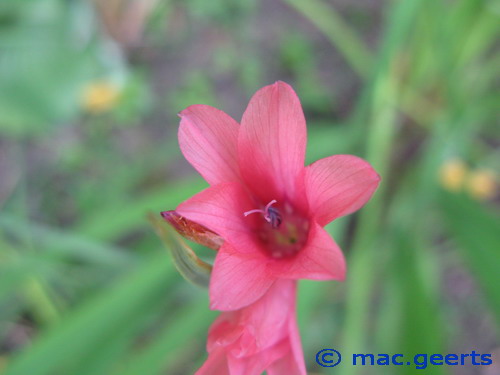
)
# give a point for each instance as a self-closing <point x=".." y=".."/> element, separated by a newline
<point x="258" y="337"/>
<point x="193" y="231"/>
<point x="269" y="209"/>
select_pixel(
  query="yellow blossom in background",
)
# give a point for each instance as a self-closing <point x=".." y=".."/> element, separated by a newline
<point x="452" y="174"/>
<point x="100" y="96"/>
<point x="482" y="184"/>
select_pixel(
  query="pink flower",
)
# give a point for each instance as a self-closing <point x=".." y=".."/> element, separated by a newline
<point x="269" y="209"/>
<point x="261" y="336"/>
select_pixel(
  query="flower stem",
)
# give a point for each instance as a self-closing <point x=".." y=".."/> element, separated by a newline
<point x="366" y="249"/>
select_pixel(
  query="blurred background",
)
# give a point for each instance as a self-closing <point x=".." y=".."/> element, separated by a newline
<point x="89" y="92"/>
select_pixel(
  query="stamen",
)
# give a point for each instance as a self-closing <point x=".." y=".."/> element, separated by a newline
<point x="271" y="214"/>
<point x="254" y="212"/>
<point x="270" y="204"/>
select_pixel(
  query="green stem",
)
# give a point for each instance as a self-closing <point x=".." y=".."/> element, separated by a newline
<point x="367" y="249"/>
<point x="362" y="272"/>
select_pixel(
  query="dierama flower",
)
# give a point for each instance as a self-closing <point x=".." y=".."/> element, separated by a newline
<point x="269" y="209"/>
<point x="261" y="336"/>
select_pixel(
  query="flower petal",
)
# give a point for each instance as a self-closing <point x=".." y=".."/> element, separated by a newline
<point x="237" y="279"/>
<point x="221" y="209"/>
<point x="267" y="318"/>
<point x="288" y="364"/>
<point x="296" y="345"/>
<point x="216" y="363"/>
<point x="338" y="185"/>
<point x="272" y="142"/>
<point x="292" y="363"/>
<point x="208" y="138"/>
<point x="256" y="364"/>
<point x="321" y="259"/>
<point x="258" y="326"/>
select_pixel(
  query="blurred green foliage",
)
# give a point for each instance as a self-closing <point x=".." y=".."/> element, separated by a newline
<point x="86" y="286"/>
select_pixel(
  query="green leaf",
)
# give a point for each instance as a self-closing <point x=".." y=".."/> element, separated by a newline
<point x="71" y="245"/>
<point x="61" y="349"/>
<point x="420" y="329"/>
<point x="477" y="235"/>
<point x="338" y="32"/>
<point x="112" y="221"/>
<point x="190" y="321"/>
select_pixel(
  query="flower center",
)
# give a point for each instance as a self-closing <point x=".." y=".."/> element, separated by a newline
<point x="283" y="232"/>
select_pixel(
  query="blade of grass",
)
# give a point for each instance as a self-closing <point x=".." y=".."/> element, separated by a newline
<point x="99" y="318"/>
<point x="384" y="97"/>
<point x="162" y="353"/>
<point x="338" y="32"/>
<point x="111" y="222"/>
<point x="477" y="235"/>
<point x="52" y="240"/>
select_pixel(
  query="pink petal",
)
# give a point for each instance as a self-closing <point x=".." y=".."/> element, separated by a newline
<point x="288" y="365"/>
<point x="267" y="318"/>
<point x="338" y="185"/>
<point x="321" y="259"/>
<point x="237" y="279"/>
<point x="289" y="358"/>
<point x="296" y="345"/>
<point x="272" y="142"/>
<point x="216" y="363"/>
<point x="221" y="209"/>
<point x="292" y="363"/>
<point x="224" y="331"/>
<point x="208" y="138"/>
<point x="256" y="364"/>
